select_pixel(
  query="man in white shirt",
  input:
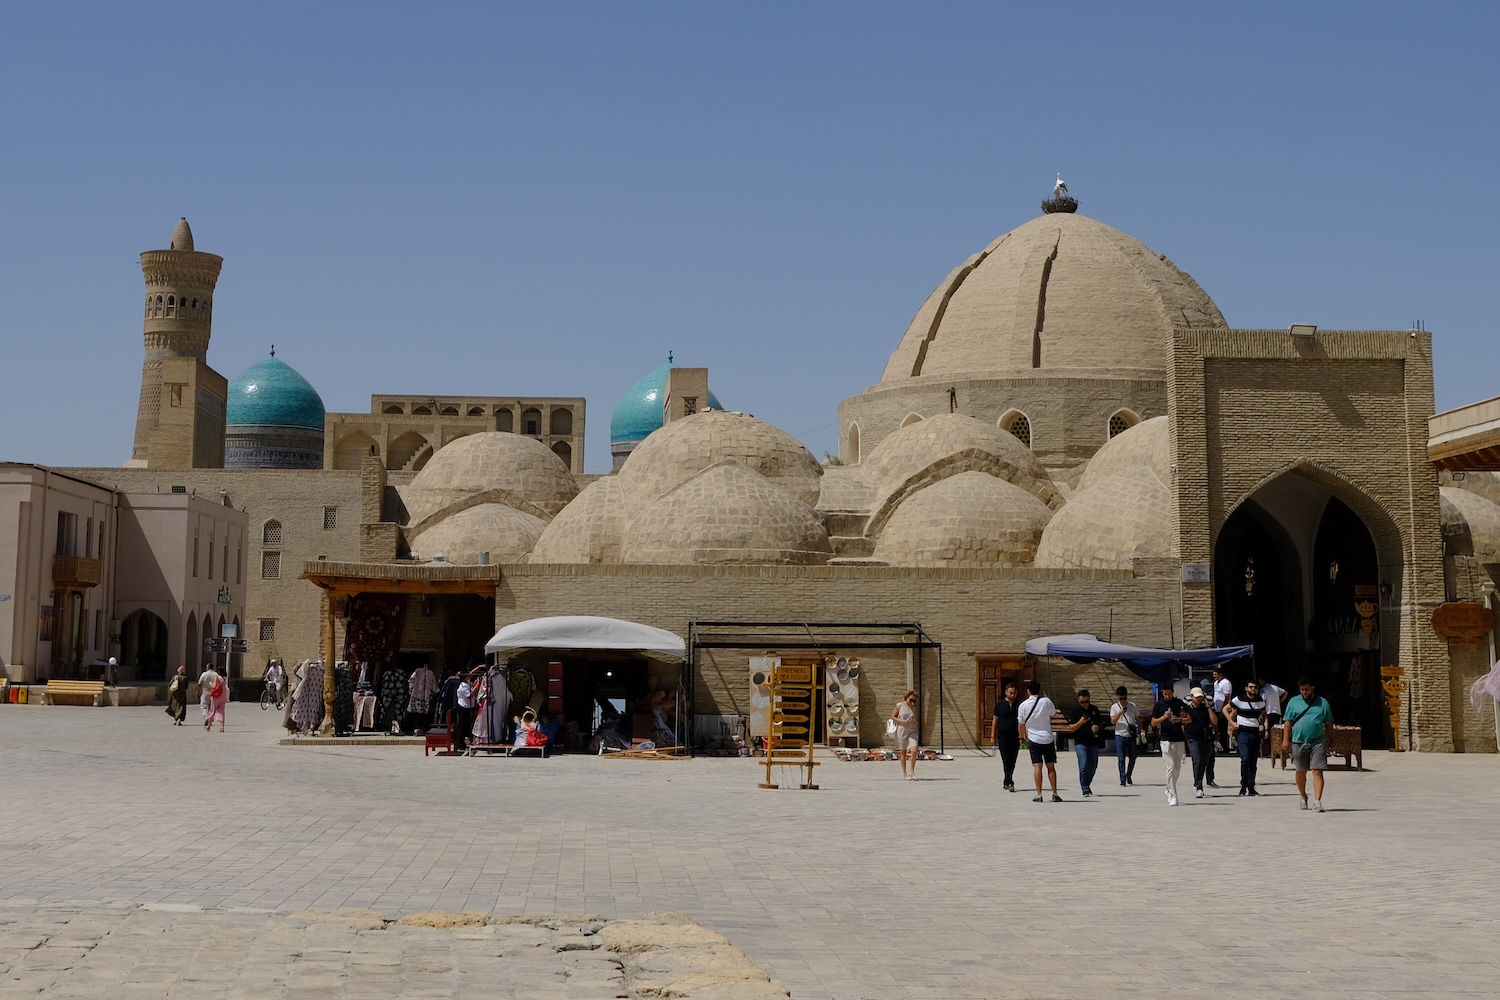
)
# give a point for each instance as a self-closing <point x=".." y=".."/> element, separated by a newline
<point x="1223" y="691"/>
<point x="1034" y="724"/>
<point x="1126" y="718"/>
<point x="1275" y="698"/>
<point x="1182" y="686"/>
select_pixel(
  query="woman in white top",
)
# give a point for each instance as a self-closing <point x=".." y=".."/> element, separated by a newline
<point x="904" y="715"/>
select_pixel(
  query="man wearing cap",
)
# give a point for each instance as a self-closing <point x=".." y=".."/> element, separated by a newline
<point x="1201" y="731"/>
<point x="1305" y="734"/>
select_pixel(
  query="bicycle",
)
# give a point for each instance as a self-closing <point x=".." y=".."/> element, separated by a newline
<point x="273" y="694"/>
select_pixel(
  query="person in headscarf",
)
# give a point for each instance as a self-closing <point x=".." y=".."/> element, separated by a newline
<point x="177" y="695"/>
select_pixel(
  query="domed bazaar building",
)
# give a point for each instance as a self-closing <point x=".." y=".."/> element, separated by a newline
<point x="1068" y="438"/>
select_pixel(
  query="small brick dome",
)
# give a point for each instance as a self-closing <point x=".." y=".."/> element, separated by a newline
<point x="1121" y="518"/>
<point x="1148" y="443"/>
<point x="971" y="519"/>
<point x="492" y="460"/>
<point x="1471" y="525"/>
<point x="916" y="446"/>
<point x="685" y="447"/>
<point x="588" y="530"/>
<point x="505" y="533"/>
<point x="726" y="513"/>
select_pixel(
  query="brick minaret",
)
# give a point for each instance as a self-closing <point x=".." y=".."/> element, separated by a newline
<point x="179" y="313"/>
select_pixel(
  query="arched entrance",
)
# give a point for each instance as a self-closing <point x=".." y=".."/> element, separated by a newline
<point x="143" y="644"/>
<point x="1297" y="572"/>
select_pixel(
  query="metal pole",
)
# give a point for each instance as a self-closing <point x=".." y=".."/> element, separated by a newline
<point x="942" y="729"/>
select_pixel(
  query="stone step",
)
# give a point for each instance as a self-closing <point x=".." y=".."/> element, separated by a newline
<point x="846" y="546"/>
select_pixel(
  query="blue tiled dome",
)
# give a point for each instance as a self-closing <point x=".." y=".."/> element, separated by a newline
<point x="639" y="410"/>
<point x="270" y="393"/>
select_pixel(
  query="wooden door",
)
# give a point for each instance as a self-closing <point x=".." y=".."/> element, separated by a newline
<point x="994" y="672"/>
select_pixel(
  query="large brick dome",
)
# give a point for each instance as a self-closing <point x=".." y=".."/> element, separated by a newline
<point x="1061" y="291"/>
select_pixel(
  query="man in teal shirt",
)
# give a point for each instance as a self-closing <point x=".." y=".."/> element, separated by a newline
<point x="1304" y="731"/>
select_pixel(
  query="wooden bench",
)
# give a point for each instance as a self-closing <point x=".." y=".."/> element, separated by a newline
<point x="1343" y="741"/>
<point x="77" y="693"/>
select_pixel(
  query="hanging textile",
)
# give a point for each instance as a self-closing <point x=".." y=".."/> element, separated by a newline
<point x="307" y="712"/>
<point x="343" y="699"/>
<point x="372" y="627"/>
<point x="392" y="699"/>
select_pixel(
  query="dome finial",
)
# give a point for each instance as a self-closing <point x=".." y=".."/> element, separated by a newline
<point x="182" y="236"/>
<point x="669" y="357"/>
<point x="1060" y="201"/>
<point x="273" y="350"/>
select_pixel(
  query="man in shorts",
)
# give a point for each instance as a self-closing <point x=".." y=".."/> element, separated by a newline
<point x="1304" y="732"/>
<point x="1035" y="726"/>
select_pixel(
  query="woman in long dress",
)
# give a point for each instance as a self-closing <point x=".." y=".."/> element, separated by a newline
<point x="177" y="695"/>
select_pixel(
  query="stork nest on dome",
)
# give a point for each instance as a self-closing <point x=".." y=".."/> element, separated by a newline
<point x="1062" y="203"/>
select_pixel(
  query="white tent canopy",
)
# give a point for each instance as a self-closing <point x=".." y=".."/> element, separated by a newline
<point x="587" y="632"/>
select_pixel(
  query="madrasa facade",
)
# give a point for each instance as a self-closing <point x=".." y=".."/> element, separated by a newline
<point x="1068" y="438"/>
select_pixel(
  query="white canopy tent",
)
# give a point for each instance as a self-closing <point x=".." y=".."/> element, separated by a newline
<point x="587" y="632"/>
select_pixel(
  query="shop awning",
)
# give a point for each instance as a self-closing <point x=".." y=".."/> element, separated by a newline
<point x="587" y="632"/>
<point x="1159" y="666"/>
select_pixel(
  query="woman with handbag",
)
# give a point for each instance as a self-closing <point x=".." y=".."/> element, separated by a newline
<point x="1126" y="717"/>
<point x="904" y="716"/>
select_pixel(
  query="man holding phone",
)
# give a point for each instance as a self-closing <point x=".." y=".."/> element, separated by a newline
<point x="1169" y="715"/>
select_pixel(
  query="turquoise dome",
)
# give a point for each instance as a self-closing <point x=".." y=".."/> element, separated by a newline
<point x="270" y="393"/>
<point x="639" y="410"/>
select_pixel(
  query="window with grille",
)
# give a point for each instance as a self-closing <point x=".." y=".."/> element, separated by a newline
<point x="1118" y="424"/>
<point x="267" y="629"/>
<point x="270" y="565"/>
<point x="1021" y="428"/>
<point x="330" y="518"/>
<point x="271" y="534"/>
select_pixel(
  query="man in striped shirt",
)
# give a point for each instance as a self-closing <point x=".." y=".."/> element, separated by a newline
<point x="1247" y="714"/>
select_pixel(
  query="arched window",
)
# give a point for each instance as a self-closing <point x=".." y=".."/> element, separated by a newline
<point x="564" y="451"/>
<point x="422" y="411"/>
<point x="449" y="411"/>
<point x="476" y="411"/>
<point x="911" y="418"/>
<point x="1016" y="423"/>
<point x="392" y="408"/>
<point x="159" y="305"/>
<point x="531" y="421"/>
<point x="505" y="420"/>
<point x="195" y="307"/>
<point x="1121" y="421"/>
<point x="171" y="305"/>
<point x="851" y="445"/>
<point x="271" y="533"/>
<point x="562" y="421"/>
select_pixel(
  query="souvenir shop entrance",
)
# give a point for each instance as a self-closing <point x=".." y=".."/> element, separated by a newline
<point x="594" y="684"/>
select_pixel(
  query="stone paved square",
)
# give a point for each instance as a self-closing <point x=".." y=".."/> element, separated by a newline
<point x="115" y="823"/>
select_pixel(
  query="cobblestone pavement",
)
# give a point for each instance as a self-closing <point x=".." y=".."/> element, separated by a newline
<point x="869" y="888"/>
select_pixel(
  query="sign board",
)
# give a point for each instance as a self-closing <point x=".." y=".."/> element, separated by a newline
<point x="239" y="645"/>
<point x="212" y="645"/>
<point x="1462" y="620"/>
<point x="4" y="597"/>
<point x="224" y="595"/>
<point x="229" y="630"/>
<point x="1196" y="572"/>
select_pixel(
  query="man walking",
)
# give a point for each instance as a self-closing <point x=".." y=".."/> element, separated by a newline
<point x="1223" y="691"/>
<point x="1305" y="734"/>
<point x="1202" y="733"/>
<point x="1247" y="714"/>
<point x="1182" y="685"/>
<point x="1168" y="716"/>
<point x="1034" y="723"/>
<point x="1087" y="723"/>
<point x="1008" y="734"/>
<point x="1126" y="718"/>
<point x="1274" y="697"/>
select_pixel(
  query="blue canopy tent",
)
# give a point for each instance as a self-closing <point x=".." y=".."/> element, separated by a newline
<point x="1159" y="666"/>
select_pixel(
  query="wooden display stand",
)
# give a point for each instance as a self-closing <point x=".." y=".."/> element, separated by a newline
<point x="794" y="702"/>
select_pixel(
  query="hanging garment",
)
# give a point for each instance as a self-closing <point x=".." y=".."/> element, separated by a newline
<point x="423" y="685"/>
<point x="343" y="699"/>
<point x="393" y="695"/>
<point x="308" y="710"/>
<point x="500" y="696"/>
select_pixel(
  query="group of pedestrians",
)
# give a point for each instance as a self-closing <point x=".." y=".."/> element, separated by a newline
<point x="1190" y="723"/>
<point x="213" y="696"/>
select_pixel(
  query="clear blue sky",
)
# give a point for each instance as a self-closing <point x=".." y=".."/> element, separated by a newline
<point x="545" y="199"/>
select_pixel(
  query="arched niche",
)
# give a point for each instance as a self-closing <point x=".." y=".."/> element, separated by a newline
<point x="350" y="450"/>
<point x="851" y="444"/>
